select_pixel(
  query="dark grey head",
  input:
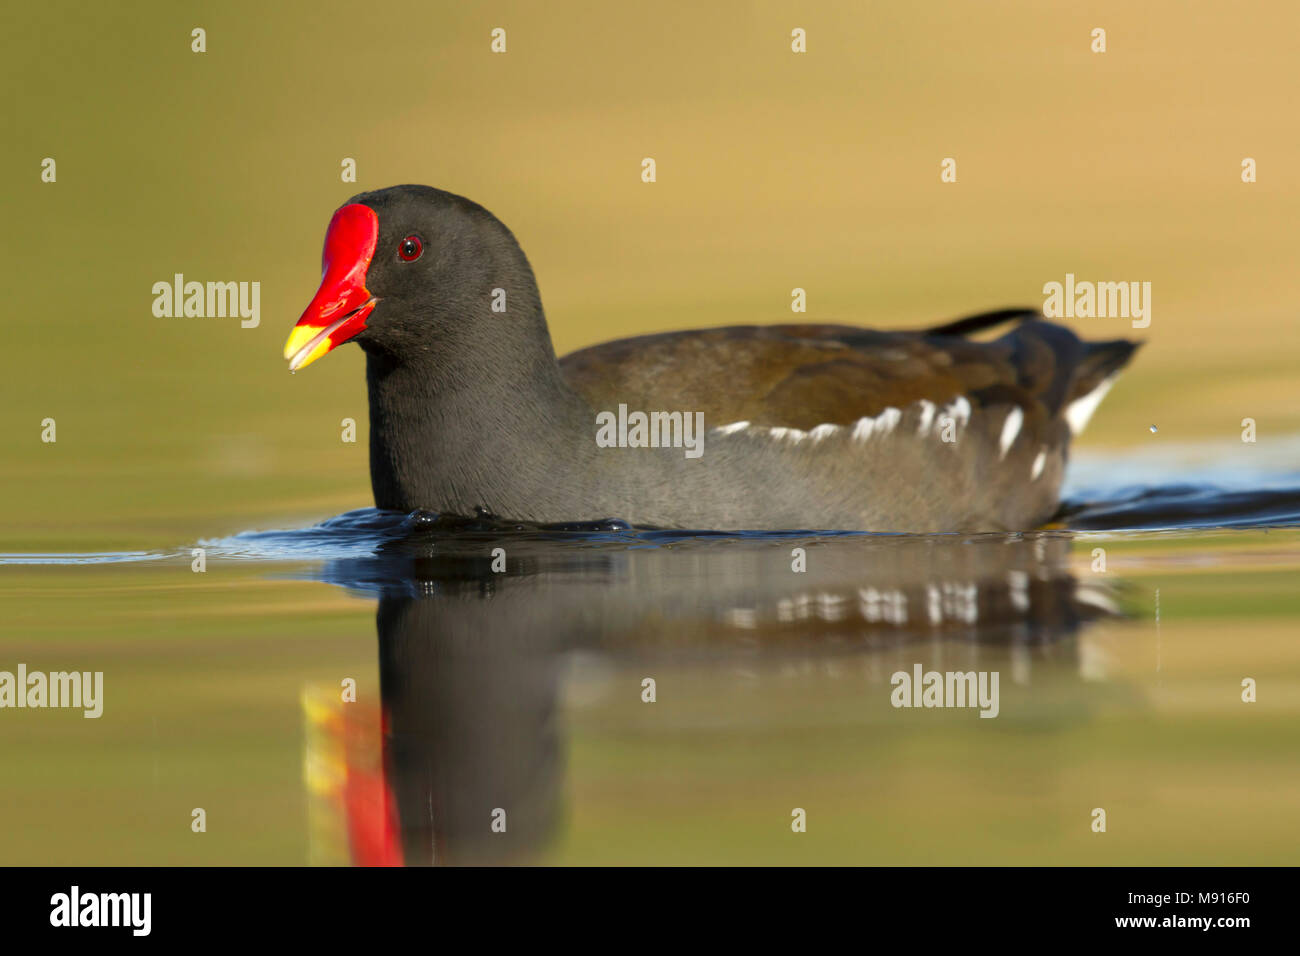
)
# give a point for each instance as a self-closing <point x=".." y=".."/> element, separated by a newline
<point x="418" y="275"/>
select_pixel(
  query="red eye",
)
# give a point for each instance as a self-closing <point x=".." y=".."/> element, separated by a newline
<point x="410" y="248"/>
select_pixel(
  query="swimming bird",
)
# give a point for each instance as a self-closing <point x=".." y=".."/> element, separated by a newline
<point x="804" y="426"/>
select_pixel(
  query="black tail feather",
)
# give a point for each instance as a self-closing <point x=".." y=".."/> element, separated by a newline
<point x="984" y="320"/>
<point x="1100" y="361"/>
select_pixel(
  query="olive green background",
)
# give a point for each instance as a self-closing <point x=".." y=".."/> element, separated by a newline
<point x="775" y="171"/>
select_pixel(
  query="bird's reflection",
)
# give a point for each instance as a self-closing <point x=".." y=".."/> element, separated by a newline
<point x="472" y="748"/>
<point x="475" y="631"/>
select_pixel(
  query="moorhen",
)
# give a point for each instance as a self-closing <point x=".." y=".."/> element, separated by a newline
<point x="804" y="426"/>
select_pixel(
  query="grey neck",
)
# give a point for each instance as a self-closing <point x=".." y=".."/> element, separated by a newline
<point x="509" y="440"/>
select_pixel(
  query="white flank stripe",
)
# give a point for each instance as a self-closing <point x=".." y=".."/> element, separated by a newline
<point x="1010" y="429"/>
<point x="888" y="420"/>
<point x="959" y="410"/>
<point x="927" y="416"/>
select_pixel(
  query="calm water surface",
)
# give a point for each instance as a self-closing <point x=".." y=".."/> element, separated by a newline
<point x="501" y="674"/>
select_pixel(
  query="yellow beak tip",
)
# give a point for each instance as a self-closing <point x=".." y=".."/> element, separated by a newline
<point x="299" y="338"/>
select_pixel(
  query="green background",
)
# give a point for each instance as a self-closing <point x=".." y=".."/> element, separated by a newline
<point x="775" y="171"/>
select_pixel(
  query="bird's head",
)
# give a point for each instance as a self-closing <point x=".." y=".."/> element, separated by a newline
<point x="413" y="271"/>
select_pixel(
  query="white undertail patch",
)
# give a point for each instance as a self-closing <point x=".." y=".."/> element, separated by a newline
<point x="1079" y="411"/>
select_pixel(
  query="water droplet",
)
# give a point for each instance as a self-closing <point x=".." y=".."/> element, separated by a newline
<point x="421" y="519"/>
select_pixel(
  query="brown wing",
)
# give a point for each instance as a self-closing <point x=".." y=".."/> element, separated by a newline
<point x="801" y="376"/>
